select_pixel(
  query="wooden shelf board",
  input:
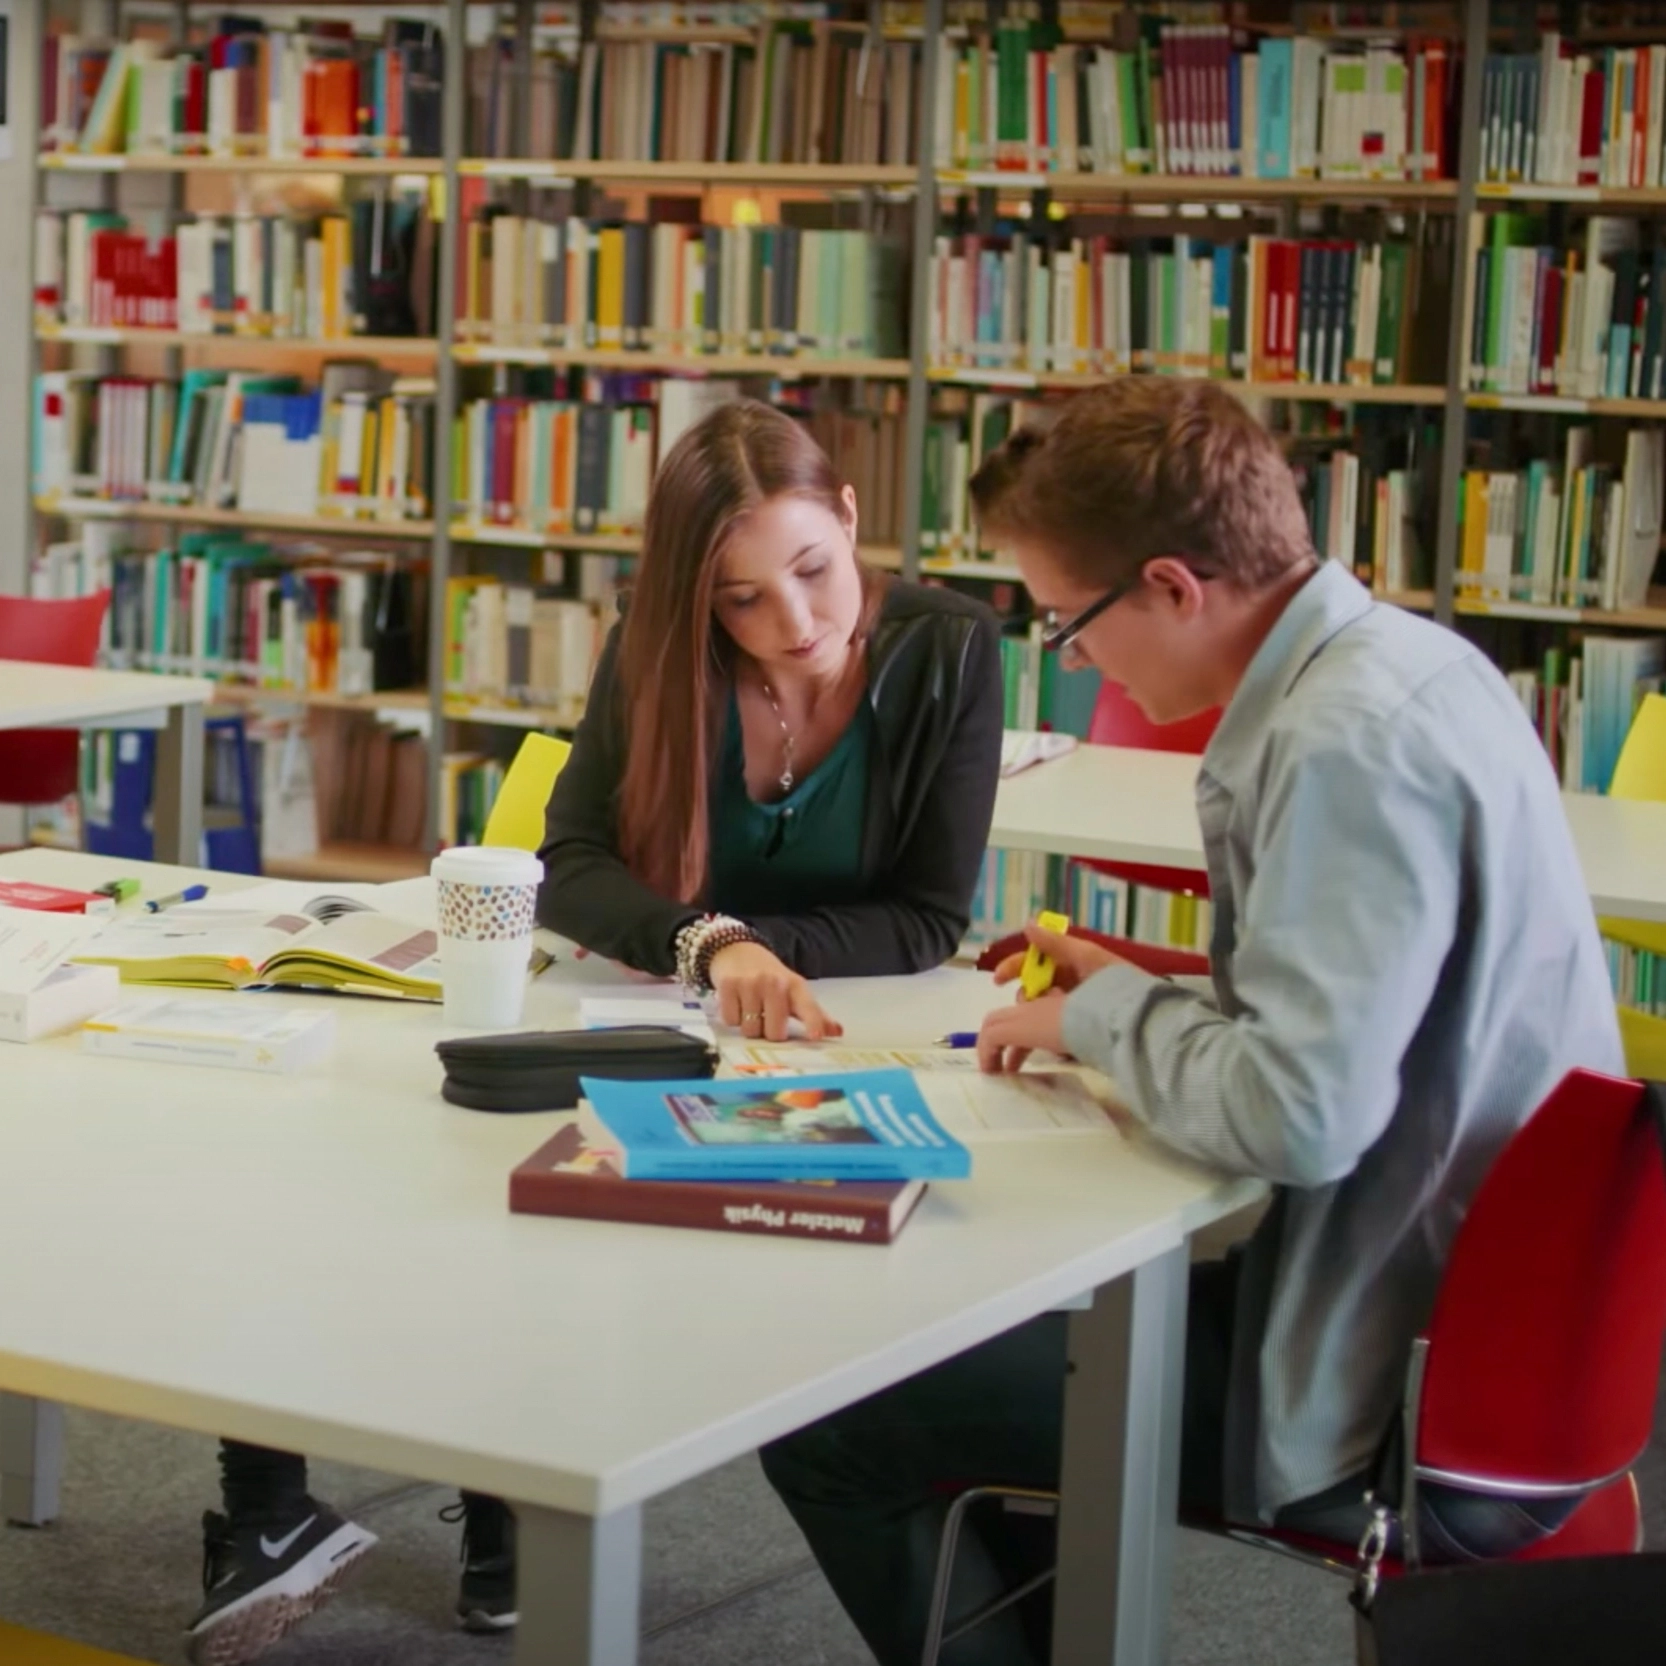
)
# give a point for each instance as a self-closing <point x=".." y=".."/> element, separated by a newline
<point x="373" y="864"/>
<point x="243" y="696"/>
<point x="508" y="716"/>
<point x="1554" y="404"/>
<point x="97" y="336"/>
<point x="1632" y="618"/>
<point x="788" y="367"/>
<point x="941" y="566"/>
<point x="1340" y="393"/>
<point x="1414" y="601"/>
<point x="162" y="163"/>
<point x="1181" y="188"/>
<point x="1606" y="196"/>
<point x="176" y="515"/>
<point x="607" y="543"/>
<point x="804" y="175"/>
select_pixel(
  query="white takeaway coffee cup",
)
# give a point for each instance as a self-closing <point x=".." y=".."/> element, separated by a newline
<point x="486" y="895"/>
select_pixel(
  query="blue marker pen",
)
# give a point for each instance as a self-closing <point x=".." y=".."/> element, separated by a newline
<point x="191" y="893"/>
<point x="959" y="1038"/>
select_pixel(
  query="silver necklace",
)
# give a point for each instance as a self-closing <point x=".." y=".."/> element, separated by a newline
<point x="786" y="776"/>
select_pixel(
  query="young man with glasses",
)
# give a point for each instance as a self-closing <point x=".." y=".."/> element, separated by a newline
<point x="1404" y="962"/>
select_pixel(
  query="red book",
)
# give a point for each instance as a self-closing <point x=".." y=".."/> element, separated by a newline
<point x="50" y="899"/>
<point x="564" y="1177"/>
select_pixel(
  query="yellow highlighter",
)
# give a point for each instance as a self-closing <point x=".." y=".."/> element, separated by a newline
<point x="1035" y="976"/>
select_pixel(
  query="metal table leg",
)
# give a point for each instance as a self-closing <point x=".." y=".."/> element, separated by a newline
<point x="1121" y="1471"/>
<point x="579" y="1587"/>
<point x="176" y="800"/>
<point x="31" y="1459"/>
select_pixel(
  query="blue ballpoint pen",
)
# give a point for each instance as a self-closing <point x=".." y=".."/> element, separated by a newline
<point x="191" y="893"/>
<point x="959" y="1038"/>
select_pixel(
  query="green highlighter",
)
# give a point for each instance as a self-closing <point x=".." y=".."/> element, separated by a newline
<point x="121" y="890"/>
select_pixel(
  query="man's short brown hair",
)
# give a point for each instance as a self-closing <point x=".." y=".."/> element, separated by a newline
<point x="1143" y="466"/>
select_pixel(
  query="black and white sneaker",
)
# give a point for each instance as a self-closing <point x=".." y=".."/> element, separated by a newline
<point x="486" y="1594"/>
<point x="262" y="1578"/>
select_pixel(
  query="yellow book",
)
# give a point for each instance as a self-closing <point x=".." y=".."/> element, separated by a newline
<point x="1473" y="557"/>
<point x="610" y="287"/>
<point x="326" y="944"/>
<point x="335" y="268"/>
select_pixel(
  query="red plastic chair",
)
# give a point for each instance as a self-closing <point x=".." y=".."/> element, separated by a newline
<point x="1538" y="1371"/>
<point x="40" y="766"/>
<point x="1117" y="721"/>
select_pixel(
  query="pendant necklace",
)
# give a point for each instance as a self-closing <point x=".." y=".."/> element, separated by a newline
<point x="786" y="777"/>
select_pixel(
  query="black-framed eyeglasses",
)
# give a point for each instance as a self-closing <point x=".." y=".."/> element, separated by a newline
<point x="1057" y="634"/>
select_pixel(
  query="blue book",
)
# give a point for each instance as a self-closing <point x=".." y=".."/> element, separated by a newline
<point x="849" y="1125"/>
<point x="1277" y="66"/>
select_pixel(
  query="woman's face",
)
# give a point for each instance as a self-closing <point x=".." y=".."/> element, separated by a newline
<point x="788" y="589"/>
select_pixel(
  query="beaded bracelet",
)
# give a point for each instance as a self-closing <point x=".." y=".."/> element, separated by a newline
<point x="701" y="941"/>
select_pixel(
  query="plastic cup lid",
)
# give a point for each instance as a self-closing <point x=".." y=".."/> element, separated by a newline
<point x="488" y="865"/>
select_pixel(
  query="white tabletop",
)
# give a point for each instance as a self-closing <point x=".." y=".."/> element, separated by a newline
<point x="1124" y="805"/>
<point x="327" y="1263"/>
<point x="38" y="696"/>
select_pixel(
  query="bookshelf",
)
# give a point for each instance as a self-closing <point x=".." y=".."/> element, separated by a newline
<point x="904" y="165"/>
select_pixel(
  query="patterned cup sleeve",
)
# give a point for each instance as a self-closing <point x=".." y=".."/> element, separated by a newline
<point x="486" y="913"/>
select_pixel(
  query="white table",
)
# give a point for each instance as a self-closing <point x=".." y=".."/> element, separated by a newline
<point x="1125" y="805"/>
<point x="328" y="1264"/>
<point x="36" y="696"/>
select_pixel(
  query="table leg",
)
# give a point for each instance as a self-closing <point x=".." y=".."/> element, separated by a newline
<point x="579" y="1582"/>
<point x="31" y="1459"/>
<point x="1121" y="1472"/>
<point x="176" y="798"/>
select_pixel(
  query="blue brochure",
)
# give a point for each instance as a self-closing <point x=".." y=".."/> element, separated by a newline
<point x="847" y="1125"/>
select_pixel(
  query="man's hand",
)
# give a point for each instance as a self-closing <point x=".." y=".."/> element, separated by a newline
<point x="1010" y="1034"/>
<point x="1075" y="960"/>
<point x="757" y="995"/>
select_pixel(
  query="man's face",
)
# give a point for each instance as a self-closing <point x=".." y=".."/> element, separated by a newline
<point x="1148" y="641"/>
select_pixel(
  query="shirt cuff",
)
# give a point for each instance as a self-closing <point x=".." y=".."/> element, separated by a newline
<point x="1097" y="1012"/>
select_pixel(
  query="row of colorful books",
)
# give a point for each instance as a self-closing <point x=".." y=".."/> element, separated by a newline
<point x="366" y="271"/>
<point x="801" y="91"/>
<point x="1266" y="309"/>
<point x="357" y="445"/>
<point x="1582" y="702"/>
<point x="1196" y="99"/>
<point x="1587" y="536"/>
<point x="1570" y="115"/>
<point x="320" y="89"/>
<point x="681" y="289"/>
<point x="520" y="642"/>
<point x="1587" y="322"/>
<point x="1639" y="978"/>
<point x="1015" y="885"/>
<point x="241" y="611"/>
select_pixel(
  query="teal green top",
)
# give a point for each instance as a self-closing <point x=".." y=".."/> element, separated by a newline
<point x="801" y="851"/>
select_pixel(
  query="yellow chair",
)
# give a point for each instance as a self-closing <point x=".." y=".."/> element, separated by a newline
<point x="31" y="1648"/>
<point x="1641" y="774"/>
<point x="517" y="816"/>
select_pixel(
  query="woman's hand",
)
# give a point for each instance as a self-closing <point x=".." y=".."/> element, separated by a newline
<point x="757" y="995"/>
<point x="1075" y="959"/>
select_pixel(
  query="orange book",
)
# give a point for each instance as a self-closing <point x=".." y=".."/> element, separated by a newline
<point x="561" y="472"/>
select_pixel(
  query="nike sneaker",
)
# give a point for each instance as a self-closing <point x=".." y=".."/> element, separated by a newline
<point x="486" y="1594"/>
<point x="262" y="1578"/>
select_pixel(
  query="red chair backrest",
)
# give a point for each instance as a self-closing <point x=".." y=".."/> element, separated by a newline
<point x="40" y="766"/>
<point x="1544" y="1344"/>
<point x="52" y="633"/>
<point x="1117" y="721"/>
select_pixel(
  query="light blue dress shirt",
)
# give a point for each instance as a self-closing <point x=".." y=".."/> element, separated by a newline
<point x="1405" y="962"/>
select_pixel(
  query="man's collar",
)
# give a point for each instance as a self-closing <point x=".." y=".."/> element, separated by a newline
<point x="1332" y="599"/>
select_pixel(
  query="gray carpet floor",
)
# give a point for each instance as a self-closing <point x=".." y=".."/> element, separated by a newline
<point x="726" y="1582"/>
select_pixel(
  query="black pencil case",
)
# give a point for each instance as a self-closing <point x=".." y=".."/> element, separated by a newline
<point x="539" y="1070"/>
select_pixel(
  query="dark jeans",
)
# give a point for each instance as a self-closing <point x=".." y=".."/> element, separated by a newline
<point x="260" y="1485"/>
<point x="870" y="1485"/>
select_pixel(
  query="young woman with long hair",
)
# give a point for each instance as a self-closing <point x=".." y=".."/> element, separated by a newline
<point x="787" y="766"/>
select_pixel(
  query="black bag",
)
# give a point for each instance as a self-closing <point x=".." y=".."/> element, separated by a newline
<point x="1578" y="1611"/>
<point x="539" y="1070"/>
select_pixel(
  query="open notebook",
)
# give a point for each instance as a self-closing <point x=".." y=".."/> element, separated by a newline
<point x="331" y="943"/>
<point x="1021" y="748"/>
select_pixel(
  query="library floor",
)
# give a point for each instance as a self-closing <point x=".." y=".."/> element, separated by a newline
<point x="119" y="1571"/>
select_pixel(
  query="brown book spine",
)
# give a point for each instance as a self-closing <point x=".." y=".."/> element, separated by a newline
<point x="853" y="1212"/>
